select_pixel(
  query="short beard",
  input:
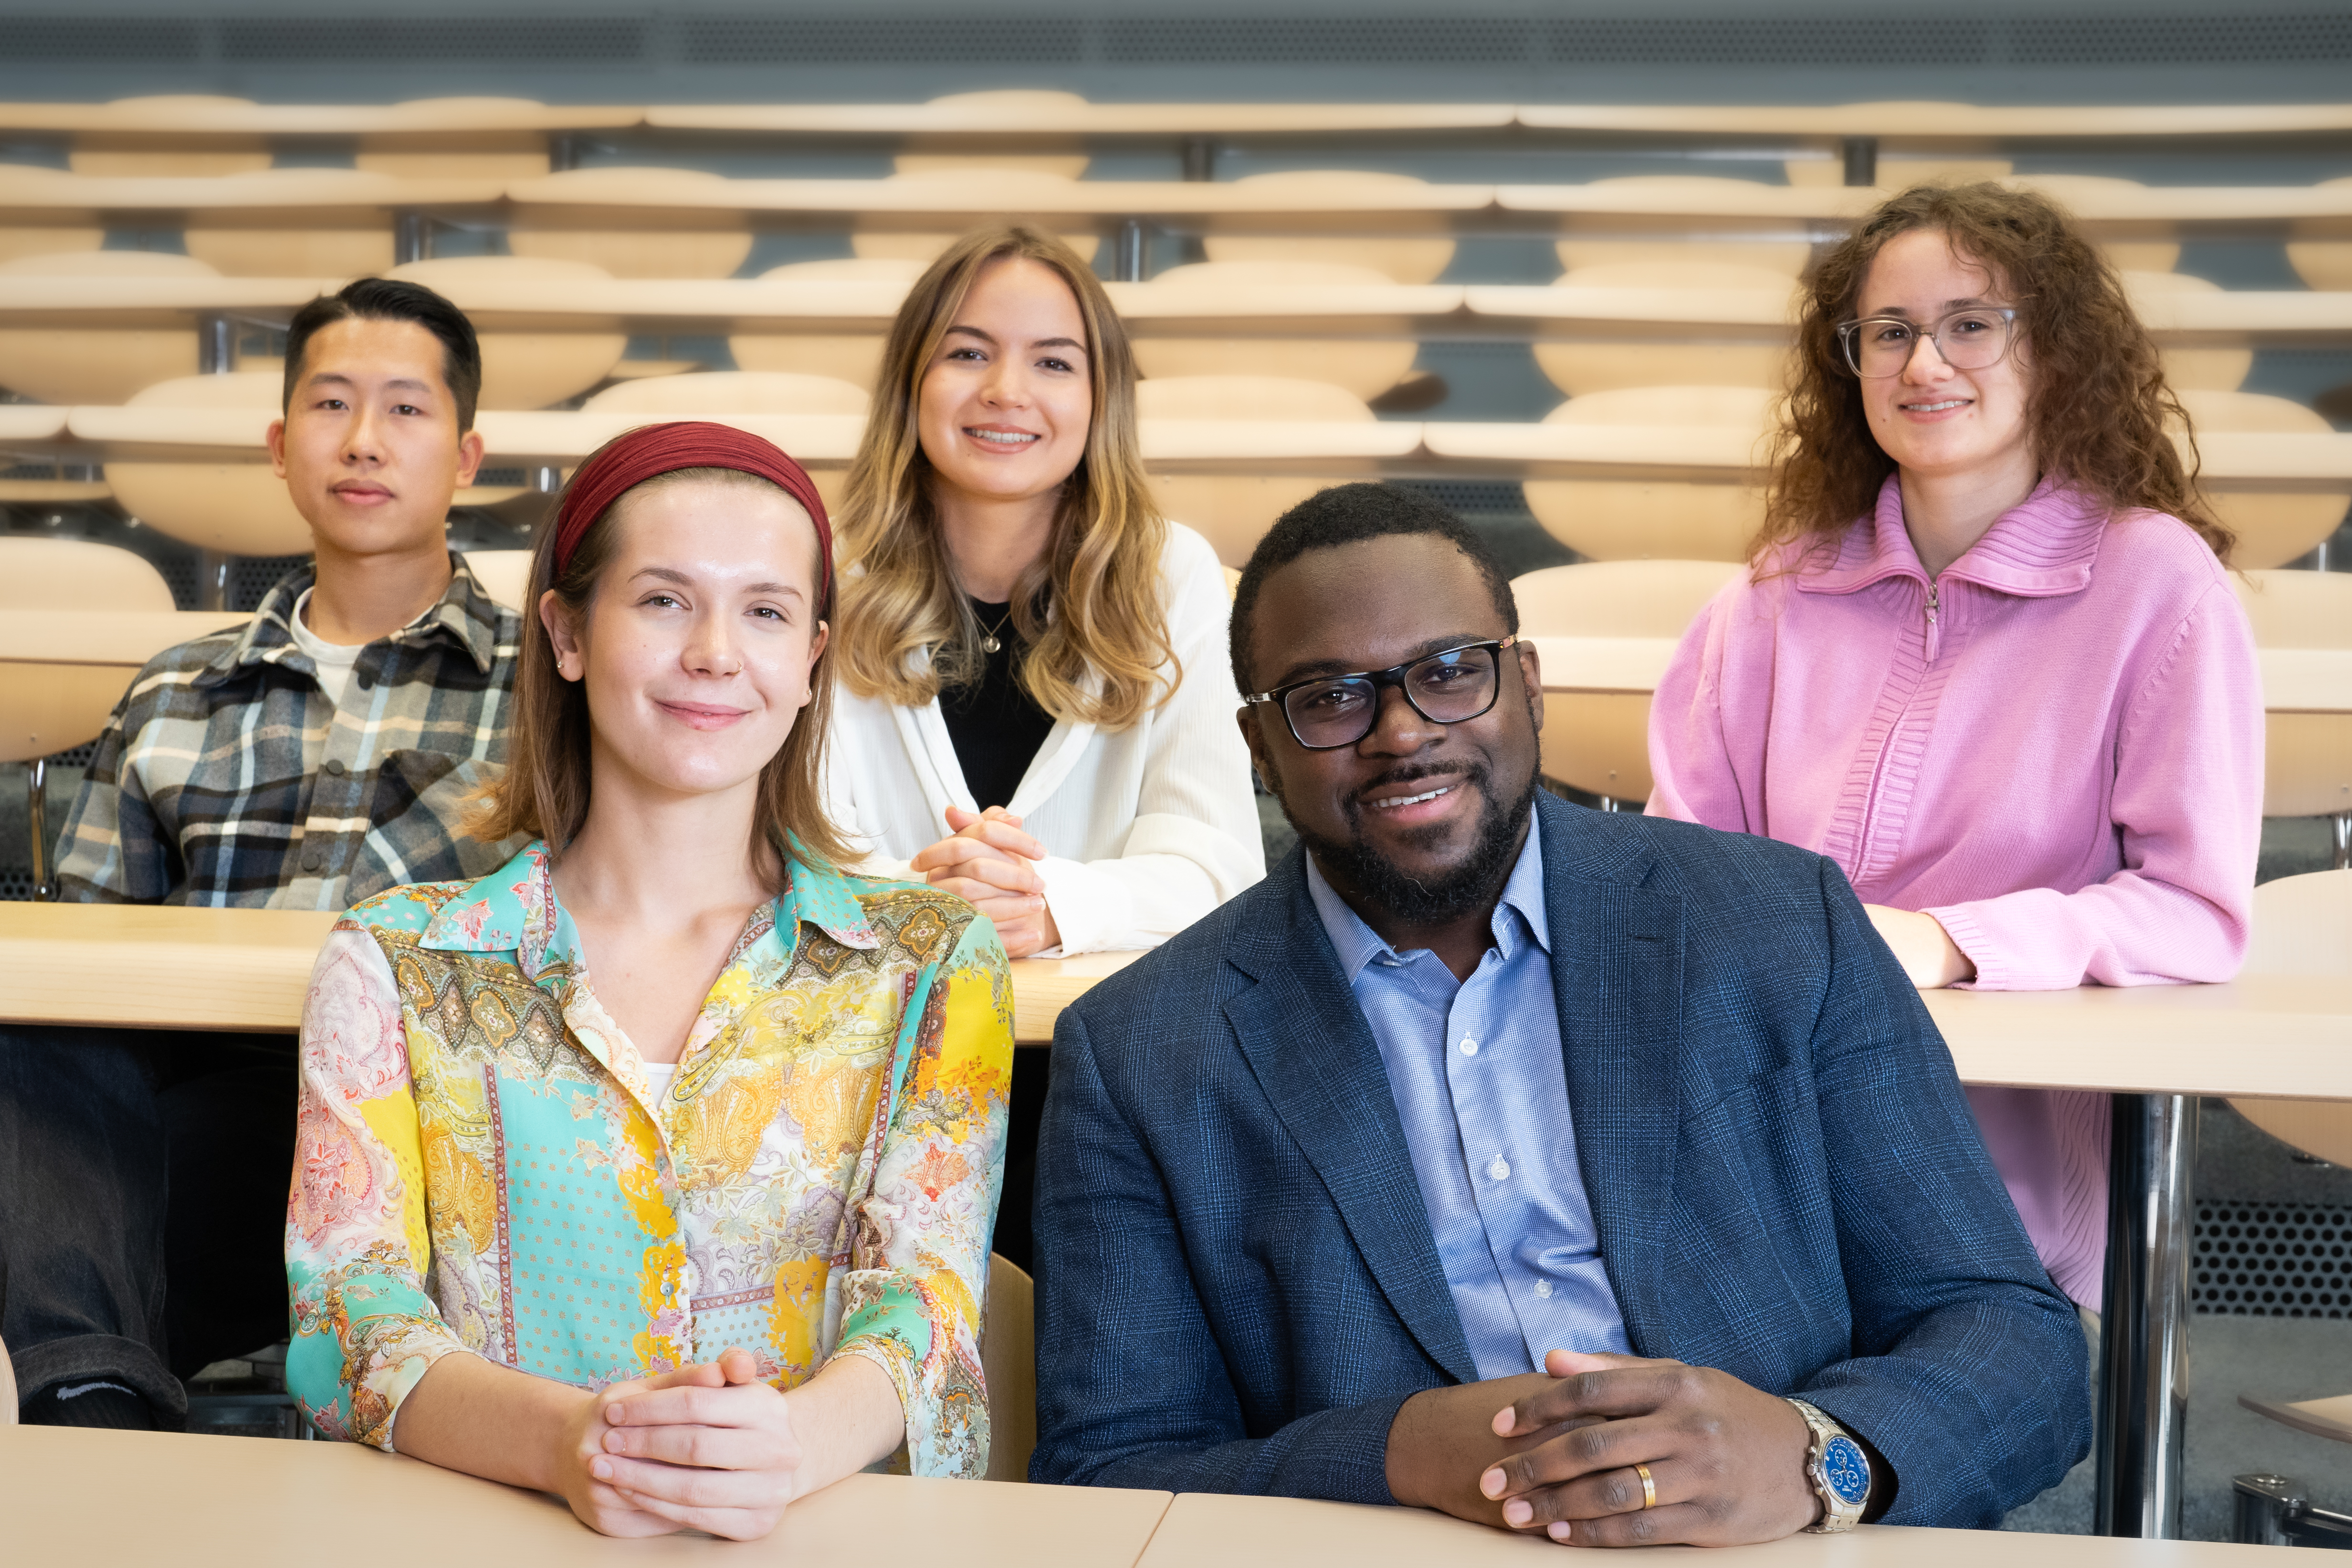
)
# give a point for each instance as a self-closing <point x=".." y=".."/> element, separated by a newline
<point x="1467" y="888"/>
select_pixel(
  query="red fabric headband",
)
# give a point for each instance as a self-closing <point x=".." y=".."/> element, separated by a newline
<point x="631" y="459"/>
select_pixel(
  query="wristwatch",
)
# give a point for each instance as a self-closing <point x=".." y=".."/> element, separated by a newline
<point x="1838" y="1470"/>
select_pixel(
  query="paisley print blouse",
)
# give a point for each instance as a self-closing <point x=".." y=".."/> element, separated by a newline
<point x="484" y="1163"/>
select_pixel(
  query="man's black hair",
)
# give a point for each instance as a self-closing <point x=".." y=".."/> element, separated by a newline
<point x="1349" y="514"/>
<point x="391" y="300"/>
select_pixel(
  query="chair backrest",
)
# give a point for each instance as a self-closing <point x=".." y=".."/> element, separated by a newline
<point x="2204" y="370"/>
<point x="1008" y="1360"/>
<point x="1785" y="257"/>
<point x="1013" y="192"/>
<point x="2272" y="529"/>
<point x="527" y="370"/>
<point x="505" y="576"/>
<point x="1582" y="367"/>
<point x="1066" y="158"/>
<point x="100" y="362"/>
<point x="76" y="575"/>
<point x="2297" y="609"/>
<point x="2129" y="256"/>
<point x="715" y="251"/>
<point x="1407" y="258"/>
<point x="1618" y="598"/>
<point x="2323" y="263"/>
<point x="1365" y="366"/>
<point x="848" y="356"/>
<point x="732" y="391"/>
<point x="239" y="505"/>
<point x="1255" y="398"/>
<point x="2303" y="925"/>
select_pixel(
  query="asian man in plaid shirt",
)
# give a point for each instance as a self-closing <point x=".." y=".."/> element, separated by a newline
<point x="306" y="761"/>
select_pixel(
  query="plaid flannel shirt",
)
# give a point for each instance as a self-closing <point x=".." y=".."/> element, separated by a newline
<point x="227" y="778"/>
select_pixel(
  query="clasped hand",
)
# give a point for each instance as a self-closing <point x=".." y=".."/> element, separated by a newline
<point x="988" y="861"/>
<point x="709" y="1447"/>
<point x="1727" y="1460"/>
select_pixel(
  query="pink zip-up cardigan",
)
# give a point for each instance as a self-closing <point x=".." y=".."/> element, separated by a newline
<point x="2055" y="749"/>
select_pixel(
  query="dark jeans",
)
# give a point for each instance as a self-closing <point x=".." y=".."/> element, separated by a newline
<point x="127" y="1159"/>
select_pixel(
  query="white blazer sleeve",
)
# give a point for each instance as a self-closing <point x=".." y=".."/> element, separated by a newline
<point x="1195" y="841"/>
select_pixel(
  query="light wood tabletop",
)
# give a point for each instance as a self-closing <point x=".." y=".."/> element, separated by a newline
<point x="198" y="117"/>
<point x="1202" y="1530"/>
<point x="1929" y="123"/>
<point x="274" y="1504"/>
<point x="169" y="967"/>
<point x="269" y="197"/>
<point x="995" y="120"/>
<point x="124" y="638"/>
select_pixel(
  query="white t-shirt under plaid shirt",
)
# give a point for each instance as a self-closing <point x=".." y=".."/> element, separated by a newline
<point x="228" y="778"/>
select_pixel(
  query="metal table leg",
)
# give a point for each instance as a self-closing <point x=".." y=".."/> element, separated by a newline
<point x="2143" y="1337"/>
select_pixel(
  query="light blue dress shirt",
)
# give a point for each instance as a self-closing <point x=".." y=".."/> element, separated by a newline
<point x="1482" y="1090"/>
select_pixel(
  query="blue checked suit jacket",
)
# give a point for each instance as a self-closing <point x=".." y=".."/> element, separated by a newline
<point x="1237" y="1283"/>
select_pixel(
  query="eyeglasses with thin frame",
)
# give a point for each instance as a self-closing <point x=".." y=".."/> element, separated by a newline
<point x="1973" y="339"/>
<point x="1451" y="686"/>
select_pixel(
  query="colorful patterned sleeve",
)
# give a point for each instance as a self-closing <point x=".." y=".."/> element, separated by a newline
<point x="357" y="1249"/>
<point x="918" y="1269"/>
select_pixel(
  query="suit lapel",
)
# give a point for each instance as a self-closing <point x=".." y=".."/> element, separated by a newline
<point x="1617" y="959"/>
<point x="1314" y="1056"/>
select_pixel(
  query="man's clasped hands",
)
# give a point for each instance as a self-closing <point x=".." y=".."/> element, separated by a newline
<point x="1725" y="1461"/>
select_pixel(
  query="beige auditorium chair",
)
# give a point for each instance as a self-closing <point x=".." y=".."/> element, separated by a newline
<point x="1232" y="511"/>
<point x="1407" y="258"/>
<point x="2307" y="761"/>
<point x="2303" y="925"/>
<point x="2323" y="263"/>
<point x="715" y="250"/>
<point x="1785" y="257"/>
<point x="849" y="357"/>
<point x="46" y="708"/>
<point x="972" y="150"/>
<point x="1014" y="191"/>
<point x="1901" y="171"/>
<point x="292" y="250"/>
<point x="2272" y="529"/>
<point x="1366" y="368"/>
<point x="459" y="154"/>
<point x="1598" y="742"/>
<point x="1666" y="519"/>
<point x="505" y="576"/>
<point x="96" y="363"/>
<point x="22" y="186"/>
<point x="1008" y="1362"/>
<point x="128" y="150"/>
<point x="237" y="507"/>
<point x="1607" y="365"/>
<point x="2198" y="370"/>
<point x="526" y="370"/>
<point x="2128" y="256"/>
<point x="724" y="392"/>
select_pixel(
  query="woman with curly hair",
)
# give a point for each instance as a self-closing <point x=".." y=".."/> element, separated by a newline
<point x="1987" y="657"/>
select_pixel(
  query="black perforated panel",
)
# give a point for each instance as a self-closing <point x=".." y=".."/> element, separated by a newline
<point x="455" y="40"/>
<point x="2272" y="1260"/>
<point x="2180" y="40"/>
<point x="1319" y="41"/>
<point x="879" y="40"/>
<point x="1763" y="41"/>
<point x="98" y="39"/>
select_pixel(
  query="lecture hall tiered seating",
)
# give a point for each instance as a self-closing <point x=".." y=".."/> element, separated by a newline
<point x="1319" y="293"/>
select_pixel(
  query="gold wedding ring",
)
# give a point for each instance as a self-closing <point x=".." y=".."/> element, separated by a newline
<point x="1649" y="1487"/>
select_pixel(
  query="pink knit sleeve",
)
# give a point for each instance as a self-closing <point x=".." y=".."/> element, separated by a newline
<point x="2188" y="804"/>
<point x="1695" y="777"/>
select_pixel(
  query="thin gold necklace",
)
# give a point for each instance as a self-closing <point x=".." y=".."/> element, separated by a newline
<point x="988" y="643"/>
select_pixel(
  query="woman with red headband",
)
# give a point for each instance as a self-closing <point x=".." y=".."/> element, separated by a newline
<point x="656" y="1168"/>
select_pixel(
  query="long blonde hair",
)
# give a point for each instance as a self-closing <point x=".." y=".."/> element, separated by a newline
<point x="1090" y="608"/>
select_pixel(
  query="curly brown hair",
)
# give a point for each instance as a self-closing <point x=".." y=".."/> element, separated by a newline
<point x="2099" y="409"/>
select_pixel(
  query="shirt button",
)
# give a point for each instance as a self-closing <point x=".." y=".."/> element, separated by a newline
<point x="1543" y="1289"/>
<point x="312" y="860"/>
<point x="1469" y="1047"/>
<point x="1500" y="1170"/>
<point x="335" y="766"/>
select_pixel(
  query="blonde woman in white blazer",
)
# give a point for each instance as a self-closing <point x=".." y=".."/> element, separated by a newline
<point x="1036" y="710"/>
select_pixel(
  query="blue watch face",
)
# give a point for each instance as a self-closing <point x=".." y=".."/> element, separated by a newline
<point x="1845" y="1470"/>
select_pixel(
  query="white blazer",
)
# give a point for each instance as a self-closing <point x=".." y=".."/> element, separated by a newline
<point x="1146" y="829"/>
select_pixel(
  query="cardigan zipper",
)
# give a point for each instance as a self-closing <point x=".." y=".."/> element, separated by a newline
<point x="1935" y="601"/>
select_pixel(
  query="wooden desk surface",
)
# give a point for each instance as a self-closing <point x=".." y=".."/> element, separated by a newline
<point x="1926" y="124"/>
<point x="999" y="122"/>
<point x="75" y="1495"/>
<point x="308" y="197"/>
<point x="124" y="638"/>
<point x="249" y="968"/>
<point x="202" y="117"/>
<point x="1201" y="1531"/>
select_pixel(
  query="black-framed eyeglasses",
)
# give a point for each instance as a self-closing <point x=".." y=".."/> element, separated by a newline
<point x="1329" y="712"/>
<point x="1974" y="339"/>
